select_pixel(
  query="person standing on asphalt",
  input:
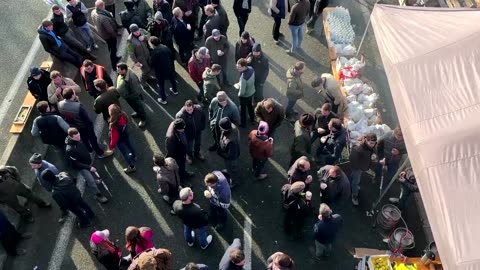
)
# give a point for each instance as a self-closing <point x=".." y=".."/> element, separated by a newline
<point x="143" y="10"/>
<point x="298" y="16"/>
<point x="229" y="149"/>
<point x="67" y="196"/>
<point x="195" y="266"/>
<point x="138" y="240"/>
<point x="194" y="218"/>
<point x="408" y="183"/>
<point x="260" y="64"/>
<point x="130" y="16"/>
<point x="270" y="111"/>
<point x="195" y="121"/>
<point x="211" y="85"/>
<point x="107" y="28"/>
<point x="197" y="64"/>
<point x="176" y="147"/>
<point x="110" y="7"/>
<point x="233" y="258"/>
<point x="181" y="32"/>
<point x="105" y="251"/>
<point x="163" y="65"/>
<point x="334" y="185"/>
<point x="164" y="7"/>
<point x="189" y="10"/>
<point x="331" y="145"/>
<point x="106" y="98"/>
<point x="246" y="91"/>
<point x="244" y="46"/>
<point x="38" y="82"/>
<point x="325" y="231"/>
<point x="219" y="46"/>
<point x="78" y="12"/>
<point x="301" y="145"/>
<point x="161" y="29"/>
<point x="261" y="148"/>
<point x="137" y="47"/>
<point x="294" y="87"/>
<point x="78" y="157"/>
<point x="130" y="89"/>
<point x="11" y="186"/>
<point x="316" y="9"/>
<point x="280" y="261"/>
<point x="212" y="22"/>
<point x="90" y="72"/>
<point x="168" y="178"/>
<point x="300" y="172"/>
<point x="59" y="83"/>
<point x="390" y="151"/>
<point x="323" y="116"/>
<point x="221" y="106"/>
<point x="296" y="208"/>
<point x="361" y="161"/>
<point x="277" y="9"/>
<point x="119" y="136"/>
<point x="219" y="194"/>
<point x="241" y="9"/>
<point x="51" y="128"/>
<point x="224" y="22"/>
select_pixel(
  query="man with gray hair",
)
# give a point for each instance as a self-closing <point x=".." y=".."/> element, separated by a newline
<point x="194" y="218"/>
<point x="325" y="231"/>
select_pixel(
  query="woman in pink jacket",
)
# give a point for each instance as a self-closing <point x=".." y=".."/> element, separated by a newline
<point x="138" y="240"/>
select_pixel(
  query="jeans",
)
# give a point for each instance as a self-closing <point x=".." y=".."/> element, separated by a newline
<point x="125" y="146"/>
<point x="258" y="166"/>
<point x="290" y="104"/>
<point x="90" y="140"/>
<point x="73" y="42"/>
<point x="200" y="234"/>
<point x="138" y="107"/>
<point x="89" y="181"/>
<point x="218" y="214"/>
<point x="258" y="96"/>
<point x="246" y="105"/>
<point x="161" y="85"/>
<point x="242" y="21"/>
<point x="277" y="21"/>
<point x="193" y="145"/>
<point x="297" y="36"/>
<point x="112" y="47"/>
<point x="233" y="170"/>
<point x="322" y="250"/>
<point x="83" y="211"/>
<point x="86" y="34"/>
<point x="355" y="178"/>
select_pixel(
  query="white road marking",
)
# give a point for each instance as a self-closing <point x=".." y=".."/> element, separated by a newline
<point x="247" y="243"/>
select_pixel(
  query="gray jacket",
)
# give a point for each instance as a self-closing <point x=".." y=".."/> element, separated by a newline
<point x="138" y="50"/>
<point x="215" y="112"/>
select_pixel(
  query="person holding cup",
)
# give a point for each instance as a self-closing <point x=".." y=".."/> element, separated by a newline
<point x="219" y="194"/>
<point x="218" y="45"/>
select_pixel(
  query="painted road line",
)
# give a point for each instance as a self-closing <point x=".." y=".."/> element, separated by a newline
<point x="247" y="243"/>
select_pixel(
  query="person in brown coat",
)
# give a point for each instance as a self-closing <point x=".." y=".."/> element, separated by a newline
<point x="218" y="46"/>
<point x="270" y="111"/>
<point x="107" y="97"/>
<point x="261" y="148"/>
<point x="106" y="26"/>
<point x="168" y="179"/>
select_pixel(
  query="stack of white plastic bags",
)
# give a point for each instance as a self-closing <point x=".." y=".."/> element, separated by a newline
<point x="341" y="31"/>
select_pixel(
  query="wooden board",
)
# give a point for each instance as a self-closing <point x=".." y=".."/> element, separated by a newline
<point x="331" y="50"/>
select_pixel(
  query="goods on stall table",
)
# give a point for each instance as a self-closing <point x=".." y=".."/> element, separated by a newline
<point x="379" y="262"/>
<point x="341" y="34"/>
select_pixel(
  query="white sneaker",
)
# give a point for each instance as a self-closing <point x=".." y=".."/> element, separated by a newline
<point x="173" y="92"/>
<point x="209" y="240"/>
<point x="161" y="101"/>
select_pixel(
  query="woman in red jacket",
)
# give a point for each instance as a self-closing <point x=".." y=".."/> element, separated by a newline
<point x="261" y="147"/>
<point x="119" y="136"/>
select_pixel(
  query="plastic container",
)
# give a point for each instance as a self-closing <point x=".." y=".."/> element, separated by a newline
<point x="370" y="262"/>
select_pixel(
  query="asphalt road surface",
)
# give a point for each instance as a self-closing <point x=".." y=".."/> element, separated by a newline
<point x="136" y="202"/>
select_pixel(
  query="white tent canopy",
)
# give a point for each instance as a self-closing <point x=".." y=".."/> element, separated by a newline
<point x="432" y="61"/>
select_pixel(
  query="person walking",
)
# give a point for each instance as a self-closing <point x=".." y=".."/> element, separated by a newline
<point x="233" y="258"/>
<point x="294" y="87"/>
<point x="277" y="9"/>
<point x="298" y="16"/>
<point x="221" y="106"/>
<point x="246" y="91"/>
<point x="176" y="147"/>
<point x="107" y="97"/>
<point x="270" y="111"/>
<point x="67" y="196"/>
<point x="78" y="12"/>
<point x="38" y="82"/>
<point x="105" y="251"/>
<point x="261" y="149"/>
<point x="130" y="89"/>
<point x="301" y="145"/>
<point x="163" y="65"/>
<point x="224" y="22"/>
<point x="334" y="185"/>
<point x="260" y="64"/>
<point x="107" y="28"/>
<point x="10" y="237"/>
<point x="219" y="194"/>
<point x="78" y="157"/>
<point x="212" y="22"/>
<point x="316" y="9"/>
<point x="194" y="218"/>
<point x="219" y="46"/>
<point x="325" y="231"/>
<point x="51" y="128"/>
<point x="138" y="51"/>
<point x="195" y="121"/>
<point x="182" y="35"/>
<point x="296" y="208"/>
<point x="197" y="64"/>
<point x="361" y="161"/>
<point x="332" y="144"/>
<point x="130" y="16"/>
<point x="120" y="138"/>
<point x="90" y="72"/>
<point x="244" y="46"/>
<point x="56" y="87"/>
<point x="138" y="240"/>
<point x="229" y="149"/>
<point x="211" y="86"/>
<point x="168" y="178"/>
<point x="241" y="9"/>
<point x="280" y="260"/>
<point x="161" y="29"/>
<point x="323" y="115"/>
<point x="300" y="172"/>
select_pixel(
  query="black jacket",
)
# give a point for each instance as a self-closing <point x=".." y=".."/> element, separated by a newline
<point x="38" y="88"/>
<point x="180" y="32"/>
<point x="261" y="67"/>
<point x="48" y="42"/>
<point x="229" y="144"/>
<point x="322" y="121"/>
<point x="361" y="156"/>
<point x="131" y="17"/>
<point x="194" y="123"/>
<point x="59" y="25"/>
<point x="162" y="61"/>
<point x="239" y="10"/>
<point x="77" y="155"/>
<point x="50" y="131"/>
<point x="334" y="145"/>
<point x="176" y="145"/>
<point x="65" y="193"/>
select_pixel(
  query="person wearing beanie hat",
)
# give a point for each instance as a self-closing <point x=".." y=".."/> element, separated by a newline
<point x="37" y="83"/>
<point x="176" y="147"/>
<point x="197" y="64"/>
<point x="294" y="88"/>
<point x="106" y="252"/>
<point x="261" y="148"/>
<point x="229" y="148"/>
<point x="195" y="121"/>
<point x="163" y="64"/>
<point x="212" y="21"/>
<point x="241" y="9"/>
<point x="260" y="64"/>
<point x="158" y="15"/>
<point x="130" y="16"/>
<point x="296" y="208"/>
<point x="139" y="52"/>
<point x="194" y="218"/>
<point x="107" y="27"/>
<point x="332" y="144"/>
<point x="244" y="46"/>
<point x="219" y="46"/>
<point x="161" y="29"/>
<point x="221" y="106"/>
<point x="224" y="22"/>
<point x="301" y="145"/>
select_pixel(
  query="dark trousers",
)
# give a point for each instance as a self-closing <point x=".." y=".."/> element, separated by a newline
<point x="126" y="148"/>
<point x="112" y="47"/>
<point x="218" y="214"/>
<point x="246" y="105"/>
<point x="311" y="22"/>
<point x="216" y="134"/>
<point x="75" y="44"/>
<point x="68" y="55"/>
<point x="182" y="171"/>
<point x="203" y="20"/>
<point x="10" y="238"/>
<point x="18" y="189"/>
<point x="242" y="21"/>
<point x="185" y="52"/>
<point x="290" y="104"/>
<point x="161" y="84"/>
<point x="138" y="107"/>
<point x="90" y="140"/>
<point x="258" y="96"/>
<point x="83" y="212"/>
<point x="258" y="166"/>
<point x="193" y="145"/>
<point x="293" y="224"/>
<point x="277" y="21"/>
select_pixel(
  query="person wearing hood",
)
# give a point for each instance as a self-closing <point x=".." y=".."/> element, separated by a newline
<point x="280" y="261"/>
<point x="197" y="64"/>
<point x="105" y="251"/>
<point x="220" y="107"/>
<point x="38" y="82"/>
<point x="107" y="97"/>
<point x="164" y="7"/>
<point x="260" y="64"/>
<point x="241" y="9"/>
<point x="78" y="157"/>
<point x="301" y="145"/>
<point x="51" y="128"/>
<point x="78" y="13"/>
<point x="211" y="85"/>
<point x="152" y="259"/>
<point x="331" y="92"/>
<point x="213" y="21"/>
<point x="270" y="111"/>
<point x="168" y="178"/>
<point x="119" y="137"/>
<point x="138" y="240"/>
<point x="224" y="22"/>
<point x="294" y="87"/>
<point x="163" y="65"/>
<point x="161" y="29"/>
<point x="300" y="172"/>
<point x="325" y="231"/>
<point x="261" y="149"/>
<point x="244" y="46"/>
<point x="130" y="89"/>
<point x="218" y="45"/>
<point x="53" y="45"/>
<point x="67" y="196"/>
<point x="195" y="266"/>
<point x="361" y="161"/>
<point x="277" y="9"/>
<point x="181" y="32"/>
<point x="189" y="9"/>
<point x="219" y="195"/>
<point x="334" y="185"/>
<point x="246" y="90"/>
<point x="107" y="28"/>
<point x="176" y="147"/>
<point x="229" y="148"/>
<point x="143" y="10"/>
<point x="331" y="145"/>
<point x="139" y="52"/>
<point x="195" y="121"/>
<point x="296" y="208"/>
<point x="130" y="16"/>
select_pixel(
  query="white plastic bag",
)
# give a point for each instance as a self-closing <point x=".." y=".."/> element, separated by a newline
<point x="351" y="98"/>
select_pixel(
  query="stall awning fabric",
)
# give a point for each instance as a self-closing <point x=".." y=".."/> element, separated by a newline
<point x="432" y="61"/>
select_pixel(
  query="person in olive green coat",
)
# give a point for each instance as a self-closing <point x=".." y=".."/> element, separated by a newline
<point x="130" y="89"/>
<point x="294" y="87"/>
<point x="246" y="90"/>
<point x="139" y="52"/>
<point x="210" y="81"/>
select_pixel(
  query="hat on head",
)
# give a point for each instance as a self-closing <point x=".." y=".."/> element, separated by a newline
<point x="317" y="81"/>
<point x="257" y="47"/>
<point x="203" y="51"/>
<point x="158" y="15"/>
<point x="99" y="236"/>
<point x="36" y="158"/>
<point x="222" y="96"/>
<point x="307" y="119"/>
<point x="184" y="193"/>
<point x="133" y="27"/>
<point x="225" y="123"/>
<point x="297" y="187"/>
<point x="34" y="71"/>
<point x="245" y="35"/>
<point x="262" y="128"/>
<point x="216" y="33"/>
<point x="179" y="124"/>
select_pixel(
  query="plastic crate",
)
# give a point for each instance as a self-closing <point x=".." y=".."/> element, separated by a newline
<point x="370" y="262"/>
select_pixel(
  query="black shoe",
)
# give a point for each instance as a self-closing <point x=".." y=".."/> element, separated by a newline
<point x="45" y="205"/>
<point x="213" y="148"/>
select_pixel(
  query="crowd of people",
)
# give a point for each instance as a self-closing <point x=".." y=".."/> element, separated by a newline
<point x="64" y="123"/>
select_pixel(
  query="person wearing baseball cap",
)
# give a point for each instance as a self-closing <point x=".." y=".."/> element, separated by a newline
<point x="106" y="252"/>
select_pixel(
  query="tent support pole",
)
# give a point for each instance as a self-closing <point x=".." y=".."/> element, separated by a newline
<point x="365" y="31"/>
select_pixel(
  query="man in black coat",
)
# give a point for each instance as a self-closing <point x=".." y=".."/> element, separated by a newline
<point x="241" y="12"/>
<point x="195" y="121"/>
<point x="213" y="21"/>
<point x="162" y="61"/>
<point x="130" y="16"/>
<point x="323" y="115"/>
<point x="182" y="35"/>
<point x="55" y="46"/>
<point x="38" y="82"/>
<point x="260" y="64"/>
<point x="51" y="128"/>
<point x="176" y="146"/>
